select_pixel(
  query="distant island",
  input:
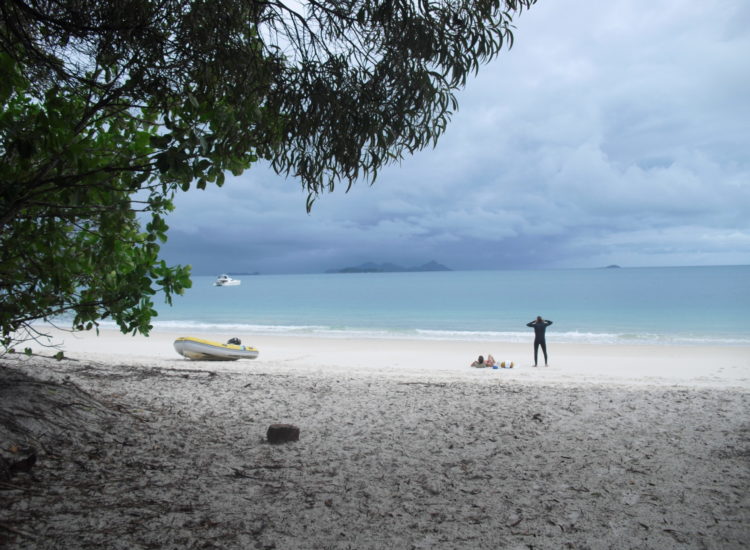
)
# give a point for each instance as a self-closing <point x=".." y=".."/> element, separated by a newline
<point x="371" y="267"/>
<point x="613" y="266"/>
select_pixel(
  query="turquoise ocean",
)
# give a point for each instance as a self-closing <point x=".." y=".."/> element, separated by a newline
<point x="664" y="305"/>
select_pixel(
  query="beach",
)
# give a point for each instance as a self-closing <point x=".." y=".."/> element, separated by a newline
<point x="401" y="444"/>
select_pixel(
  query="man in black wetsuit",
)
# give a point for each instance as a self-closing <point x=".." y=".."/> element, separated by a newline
<point x="540" y="326"/>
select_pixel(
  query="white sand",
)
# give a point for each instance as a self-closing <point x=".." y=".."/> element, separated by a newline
<point x="401" y="445"/>
<point x="695" y="366"/>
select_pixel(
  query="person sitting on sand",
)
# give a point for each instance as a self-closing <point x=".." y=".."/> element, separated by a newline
<point x="479" y="363"/>
<point x="490" y="362"/>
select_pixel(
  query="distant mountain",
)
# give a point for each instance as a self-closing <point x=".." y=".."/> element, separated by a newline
<point x="613" y="266"/>
<point x="371" y="267"/>
<point x="430" y="266"/>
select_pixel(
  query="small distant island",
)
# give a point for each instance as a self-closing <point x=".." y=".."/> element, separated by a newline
<point x="371" y="267"/>
<point x="613" y="266"/>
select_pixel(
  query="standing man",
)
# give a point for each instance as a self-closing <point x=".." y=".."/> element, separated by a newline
<point x="540" y="326"/>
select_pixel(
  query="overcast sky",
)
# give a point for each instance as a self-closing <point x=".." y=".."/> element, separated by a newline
<point x="613" y="132"/>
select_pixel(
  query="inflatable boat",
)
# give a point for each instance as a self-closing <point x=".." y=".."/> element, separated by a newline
<point x="206" y="350"/>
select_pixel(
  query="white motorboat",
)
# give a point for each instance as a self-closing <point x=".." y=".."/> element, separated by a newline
<point x="206" y="350"/>
<point x="226" y="280"/>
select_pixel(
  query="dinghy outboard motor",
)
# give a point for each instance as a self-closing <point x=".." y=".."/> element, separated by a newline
<point x="235" y="341"/>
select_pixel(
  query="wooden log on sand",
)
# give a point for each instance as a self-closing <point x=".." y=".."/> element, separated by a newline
<point x="281" y="433"/>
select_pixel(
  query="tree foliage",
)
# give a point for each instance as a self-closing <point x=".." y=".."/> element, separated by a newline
<point x="71" y="237"/>
<point x="109" y="108"/>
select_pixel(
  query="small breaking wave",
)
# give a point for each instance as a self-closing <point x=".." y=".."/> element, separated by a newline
<point x="343" y="332"/>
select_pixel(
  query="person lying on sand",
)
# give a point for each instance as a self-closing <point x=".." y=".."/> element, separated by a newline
<point x="482" y="363"/>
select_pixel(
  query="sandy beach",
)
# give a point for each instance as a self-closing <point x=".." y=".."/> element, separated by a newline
<point x="401" y="445"/>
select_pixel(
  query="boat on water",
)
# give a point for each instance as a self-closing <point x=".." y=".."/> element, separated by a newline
<point x="226" y="280"/>
<point x="206" y="350"/>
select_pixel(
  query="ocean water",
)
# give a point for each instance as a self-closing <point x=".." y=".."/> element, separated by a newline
<point x="676" y="305"/>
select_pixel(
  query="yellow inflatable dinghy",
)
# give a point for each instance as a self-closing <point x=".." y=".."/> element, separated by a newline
<point x="206" y="350"/>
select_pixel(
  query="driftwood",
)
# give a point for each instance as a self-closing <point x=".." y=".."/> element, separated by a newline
<point x="282" y="433"/>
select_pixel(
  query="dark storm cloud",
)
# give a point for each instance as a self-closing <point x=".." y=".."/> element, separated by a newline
<point x="612" y="133"/>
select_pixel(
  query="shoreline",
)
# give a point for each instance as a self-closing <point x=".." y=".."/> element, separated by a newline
<point x="636" y="365"/>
